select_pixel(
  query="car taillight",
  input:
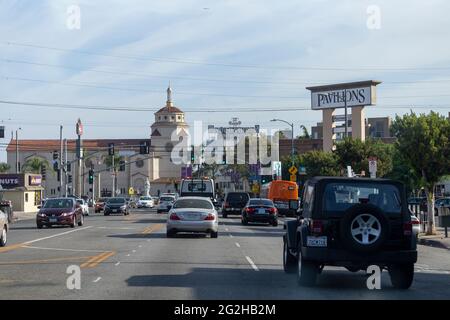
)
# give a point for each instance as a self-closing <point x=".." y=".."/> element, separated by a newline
<point x="250" y="210"/>
<point x="210" y="217"/>
<point x="174" y="216"/>
<point x="273" y="210"/>
<point x="317" y="226"/>
<point x="407" y="228"/>
<point x="226" y="205"/>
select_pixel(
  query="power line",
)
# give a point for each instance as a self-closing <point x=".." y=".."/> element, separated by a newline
<point x="196" y="62"/>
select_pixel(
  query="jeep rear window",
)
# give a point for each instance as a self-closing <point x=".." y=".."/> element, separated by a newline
<point x="340" y="196"/>
<point x="238" y="197"/>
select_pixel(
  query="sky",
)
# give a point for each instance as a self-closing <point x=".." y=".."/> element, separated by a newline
<point x="223" y="59"/>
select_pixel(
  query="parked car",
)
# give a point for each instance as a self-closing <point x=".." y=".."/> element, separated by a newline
<point x="260" y="210"/>
<point x="60" y="211"/>
<point x="99" y="205"/>
<point x="165" y="203"/>
<point x="441" y="203"/>
<point x="116" y="205"/>
<point x="4" y="229"/>
<point x="193" y="214"/>
<point x="7" y="207"/>
<point x="352" y="223"/>
<point x="234" y="203"/>
<point x="145" y="202"/>
<point x="84" y="206"/>
<point x="415" y="225"/>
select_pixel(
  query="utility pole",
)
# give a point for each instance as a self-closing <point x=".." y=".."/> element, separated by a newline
<point x="65" y="168"/>
<point x="113" y="177"/>
<point x="79" y="130"/>
<point x="17" y="150"/>
<point x="346" y="113"/>
<point x="61" y="161"/>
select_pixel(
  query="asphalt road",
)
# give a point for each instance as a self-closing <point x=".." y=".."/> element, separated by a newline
<point x="130" y="258"/>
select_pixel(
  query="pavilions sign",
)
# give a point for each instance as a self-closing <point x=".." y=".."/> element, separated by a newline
<point x="336" y="98"/>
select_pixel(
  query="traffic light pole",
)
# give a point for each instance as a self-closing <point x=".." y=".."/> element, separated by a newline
<point x="61" y="161"/>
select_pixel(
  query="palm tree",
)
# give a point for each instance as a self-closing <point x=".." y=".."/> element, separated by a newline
<point x="34" y="165"/>
<point x="107" y="160"/>
<point x="305" y="134"/>
<point x="4" y="167"/>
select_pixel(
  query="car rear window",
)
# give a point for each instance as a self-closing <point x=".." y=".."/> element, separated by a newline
<point x="166" y="199"/>
<point x="116" y="200"/>
<point x="267" y="203"/>
<point x="238" y="197"/>
<point x="192" y="203"/>
<point x="58" y="203"/>
<point x="338" y="197"/>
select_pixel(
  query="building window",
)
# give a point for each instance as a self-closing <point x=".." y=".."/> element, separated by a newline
<point x="173" y="118"/>
<point x="179" y="118"/>
<point x="165" y="117"/>
<point x="159" y="118"/>
<point x="26" y="197"/>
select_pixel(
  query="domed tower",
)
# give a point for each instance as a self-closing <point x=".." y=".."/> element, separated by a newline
<point x="168" y="120"/>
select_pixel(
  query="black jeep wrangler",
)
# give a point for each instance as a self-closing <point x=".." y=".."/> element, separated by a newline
<point x="351" y="223"/>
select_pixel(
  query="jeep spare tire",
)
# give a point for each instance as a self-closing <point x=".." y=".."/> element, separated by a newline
<point x="364" y="228"/>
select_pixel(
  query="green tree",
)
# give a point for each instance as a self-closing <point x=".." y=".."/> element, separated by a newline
<point x="305" y="133"/>
<point x="424" y="142"/>
<point x="108" y="160"/>
<point x="403" y="172"/>
<point x="4" y="167"/>
<point x="319" y="163"/>
<point x="34" y="165"/>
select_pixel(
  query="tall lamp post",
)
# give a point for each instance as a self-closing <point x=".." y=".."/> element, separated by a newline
<point x="292" y="137"/>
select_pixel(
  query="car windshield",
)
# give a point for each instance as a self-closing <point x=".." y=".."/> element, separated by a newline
<point x="238" y="197"/>
<point x="261" y="202"/>
<point x="166" y="199"/>
<point x="193" y="203"/>
<point x="116" y="200"/>
<point x="146" y="198"/>
<point x="80" y="201"/>
<point x="58" y="203"/>
<point x="338" y="197"/>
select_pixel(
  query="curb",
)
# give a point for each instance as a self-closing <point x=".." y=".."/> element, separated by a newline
<point x="433" y="243"/>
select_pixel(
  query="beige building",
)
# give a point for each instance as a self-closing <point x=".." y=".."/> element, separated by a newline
<point x="24" y="190"/>
<point x="157" y="166"/>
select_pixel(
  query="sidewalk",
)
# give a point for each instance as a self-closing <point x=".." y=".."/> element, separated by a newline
<point x="437" y="241"/>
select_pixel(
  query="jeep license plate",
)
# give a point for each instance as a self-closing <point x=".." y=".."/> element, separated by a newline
<point x="316" y="241"/>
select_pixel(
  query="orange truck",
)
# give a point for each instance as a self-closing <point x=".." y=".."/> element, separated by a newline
<point x="284" y="195"/>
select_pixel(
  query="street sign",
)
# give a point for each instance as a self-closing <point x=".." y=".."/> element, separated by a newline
<point x="302" y="170"/>
<point x="293" y="170"/>
<point x="276" y="168"/>
<point x="293" y="177"/>
<point x="79" y="128"/>
<point x="255" y="188"/>
<point x="131" y="191"/>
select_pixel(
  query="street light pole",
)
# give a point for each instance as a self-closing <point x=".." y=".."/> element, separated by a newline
<point x="17" y="150"/>
<point x="292" y="137"/>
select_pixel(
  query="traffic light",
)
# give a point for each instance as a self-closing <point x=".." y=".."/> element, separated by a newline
<point x="69" y="167"/>
<point x="192" y="154"/>
<point x="69" y="178"/>
<point x="121" y="165"/>
<point x="55" y="166"/>
<point x="266" y="179"/>
<point x="58" y="175"/>
<point x="111" y="149"/>
<point x="91" y="176"/>
<point x="55" y="155"/>
<point x="144" y="147"/>
<point x="44" y="172"/>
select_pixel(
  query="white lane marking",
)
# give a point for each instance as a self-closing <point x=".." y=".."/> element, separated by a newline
<point x="252" y="263"/>
<point x="117" y="263"/>
<point x="140" y="246"/>
<point x="97" y="280"/>
<point x="231" y="236"/>
<point x="118" y="228"/>
<point x="238" y="245"/>
<point x="148" y="240"/>
<point x="56" y="235"/>
<point x="134" y="251"/>
<point x="226" y="229"/>
<point x="128" y="255"/>
<point x="62" y="249"/>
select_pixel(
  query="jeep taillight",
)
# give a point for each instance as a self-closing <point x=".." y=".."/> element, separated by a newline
<point x="317" y="226"/>
<point x="407" y="228"/>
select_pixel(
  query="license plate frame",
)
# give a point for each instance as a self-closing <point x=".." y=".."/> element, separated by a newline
<point x="261" y="211"/>
<point x="317" y="242"/>
<point x="53" y="220"/>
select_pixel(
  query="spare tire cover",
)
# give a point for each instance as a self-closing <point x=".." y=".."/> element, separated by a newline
<point x="364" y="228"/>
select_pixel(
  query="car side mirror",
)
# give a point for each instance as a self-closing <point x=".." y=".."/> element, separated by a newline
<point x="39" y="207"/>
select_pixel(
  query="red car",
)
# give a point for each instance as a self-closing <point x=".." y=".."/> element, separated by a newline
<point x="60" y="211"/>
<point x="100" y="205"/>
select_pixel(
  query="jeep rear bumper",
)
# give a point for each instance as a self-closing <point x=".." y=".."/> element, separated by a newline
<point x="337" y="257"/>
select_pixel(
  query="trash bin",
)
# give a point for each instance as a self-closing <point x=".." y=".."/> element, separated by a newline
<point x="444" y="218"/>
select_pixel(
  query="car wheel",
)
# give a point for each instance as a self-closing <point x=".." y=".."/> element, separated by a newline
<point x="364" y="228"/>
<point x="289" y="261"/>
<point x="306" y="270"/>
<point x="170" y="233"/>
<point x="106" y="214"/>
<point x="3" y="238"/>
<point x="39" y="226"/>
<point x="74" y="222"/>
<point x="244" y="221"/>
<point x="81" y="222"/>
<point x="402" y="275"/>
<point x="214" y="234"/>
<point x="275" y="223"/>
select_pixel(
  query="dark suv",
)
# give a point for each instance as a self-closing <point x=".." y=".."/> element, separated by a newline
<point x="351" y="223"/>
<point x="234" y="203"/>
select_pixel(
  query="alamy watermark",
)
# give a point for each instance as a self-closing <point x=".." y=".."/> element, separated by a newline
<point x="374" y="279"/>
<point x="73" y="21"/>
<point x="373" y="21"/>
<point x="74" y="279"/>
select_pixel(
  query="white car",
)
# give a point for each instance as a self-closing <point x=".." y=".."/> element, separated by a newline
<point x="146" y="202"/>
<point x="165" y="203"/>
<point x="3" y="228"/>
<point x="84" y="206"/>
<point x="193" y="214"/>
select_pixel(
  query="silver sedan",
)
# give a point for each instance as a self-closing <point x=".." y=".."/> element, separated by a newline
<point x="193" y="214"/>
<point x="3" y="228"/>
